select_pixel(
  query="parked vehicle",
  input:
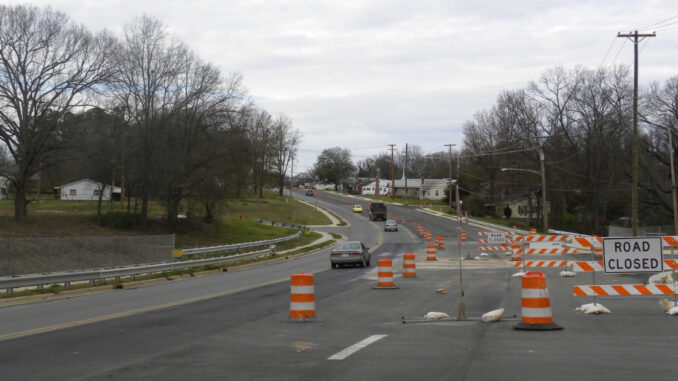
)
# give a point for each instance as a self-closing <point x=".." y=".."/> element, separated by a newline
<point x="391" y="225"/>
<point x="350" y="252"/>
<point x="357" y="208"/>
<point x="309" y="192"/>
<point x="377" y="211"/>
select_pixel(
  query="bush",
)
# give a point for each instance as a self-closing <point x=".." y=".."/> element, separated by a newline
<point x="120" y="220"/>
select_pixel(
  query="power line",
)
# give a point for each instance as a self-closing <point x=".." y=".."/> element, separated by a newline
<point x="657" y="24"/>
<point x="619" y="51"/>
<point x="614" y="41"/>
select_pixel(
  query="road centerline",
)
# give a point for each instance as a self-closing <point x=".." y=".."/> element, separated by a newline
<point x="344" y="353"/>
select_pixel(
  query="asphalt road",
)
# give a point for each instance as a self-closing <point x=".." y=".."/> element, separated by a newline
<point x="235" y="325"/>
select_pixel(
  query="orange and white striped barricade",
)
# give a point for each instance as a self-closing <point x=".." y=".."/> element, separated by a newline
<point x="403" y="220"/>
<point x="302" y="298"/>
<point x="385" y="274"/>
<point x="409" y="265"/>
<point x="624" y="289"/>
<point x="555" y="250"/>
<point x="535" y="310"/>
<point x="542" y="264"/>
<point x="431" y="252"/>
<point x="598" y="266"/>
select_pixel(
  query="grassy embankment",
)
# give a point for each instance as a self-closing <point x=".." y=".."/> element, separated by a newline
<point x="236" y="223"/>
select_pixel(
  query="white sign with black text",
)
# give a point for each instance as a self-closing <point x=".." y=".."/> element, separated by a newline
<point x="633" y="255"/>
<point x="493" y="237"/>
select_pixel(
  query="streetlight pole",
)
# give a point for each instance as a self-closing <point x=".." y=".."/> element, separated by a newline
<point x="673" y="185"/>
<point x="449" y="161"/>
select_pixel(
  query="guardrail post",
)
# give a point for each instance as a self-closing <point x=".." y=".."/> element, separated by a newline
<point x="10" y="291"/>
<point x="272" y="248"/>
<point x="67" y="284"/>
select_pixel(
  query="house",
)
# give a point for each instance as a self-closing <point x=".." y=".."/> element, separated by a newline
<point x="87" y="190"/>
<point x="376" y="187"/>
<point x="417" y="189"/>
<point x="523" y="207"/>
<point x="4" y="187"/>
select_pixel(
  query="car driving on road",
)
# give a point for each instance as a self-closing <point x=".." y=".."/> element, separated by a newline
<point x="357" y="208"/>
<point x="350" y="252"/>
<point x="391" y="225"/>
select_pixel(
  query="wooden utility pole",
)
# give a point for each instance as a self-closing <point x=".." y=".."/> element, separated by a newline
<point x="392" y="168"/>
<point x="405" y="173"/>
<point x="635" y="37"/>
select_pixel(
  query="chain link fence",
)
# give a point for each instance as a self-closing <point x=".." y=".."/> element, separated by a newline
<point x="32" y="255"/>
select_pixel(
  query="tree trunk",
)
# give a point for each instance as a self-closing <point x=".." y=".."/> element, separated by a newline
<point x="101" y="196"/>
<point x="20" y="203"/>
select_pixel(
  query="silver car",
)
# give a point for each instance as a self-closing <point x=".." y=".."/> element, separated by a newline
<point x="390" y="225"/>
<point x="350" y="252"/>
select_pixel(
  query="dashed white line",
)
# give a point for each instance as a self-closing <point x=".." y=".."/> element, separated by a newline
<point x="356" y="347"/>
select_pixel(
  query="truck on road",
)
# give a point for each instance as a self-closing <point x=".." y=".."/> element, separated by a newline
<point x="377" y="211"/>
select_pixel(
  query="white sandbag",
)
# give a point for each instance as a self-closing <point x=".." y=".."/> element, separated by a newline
<point x="518" y="274"/>
<point x="672" y="311"/>
<point x="661" y="278"/>
<point x="493" y="315"/>
<point x="667" y="304"/>
<point x="436" y="316"/>
<point x="593" y="308"/>
<point x="568" y="274"/>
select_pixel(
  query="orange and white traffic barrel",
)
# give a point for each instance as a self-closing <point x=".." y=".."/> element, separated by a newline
<point x="431" y="252"/>
<point x="409" y="266"/>
<point x="462" y="235"/>
<point x="302" y="297"/>
<point x="440" y="242"/>
<point x="536" y="304"/>
<point x="533" y="231"/>
<point x="385" y="273"/>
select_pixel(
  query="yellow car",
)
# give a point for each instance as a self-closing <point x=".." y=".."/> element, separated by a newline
<point x="357" y="209"/>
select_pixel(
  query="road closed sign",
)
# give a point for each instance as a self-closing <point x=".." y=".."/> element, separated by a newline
<point x="493" y="237"/>
<point x="633" y="255"/>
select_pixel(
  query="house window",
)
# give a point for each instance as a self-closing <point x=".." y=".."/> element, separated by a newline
<point x="72" y="192"/>
<point x="436" y="193"/>
<point x="96" y="192"/>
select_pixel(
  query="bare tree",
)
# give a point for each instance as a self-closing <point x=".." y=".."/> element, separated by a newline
<point x="285" y="141"/>
<point x="48" y="66"/>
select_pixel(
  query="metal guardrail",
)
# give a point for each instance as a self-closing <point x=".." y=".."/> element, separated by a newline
<point x="235" y="246"/>
<point x="283" y="225"/>
<point x="9" y="283"/>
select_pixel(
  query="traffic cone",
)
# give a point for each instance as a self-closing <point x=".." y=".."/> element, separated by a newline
<point x="536" y="304"/>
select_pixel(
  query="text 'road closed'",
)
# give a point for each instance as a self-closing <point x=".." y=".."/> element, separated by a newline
<point x="625" y="255"/>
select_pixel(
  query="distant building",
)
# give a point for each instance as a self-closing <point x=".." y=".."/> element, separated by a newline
<point x="417" y="189"/>
<point x="88" y="190"/>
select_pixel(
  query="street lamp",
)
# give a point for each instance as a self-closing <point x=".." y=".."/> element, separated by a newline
<point x="543" y="188"/>
<point x="449" y="158"/>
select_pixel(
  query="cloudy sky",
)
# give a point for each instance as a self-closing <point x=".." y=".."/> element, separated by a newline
<point x="366" y="73"/>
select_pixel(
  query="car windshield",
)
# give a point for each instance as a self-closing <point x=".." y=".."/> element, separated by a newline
<point x="348" y="246"/>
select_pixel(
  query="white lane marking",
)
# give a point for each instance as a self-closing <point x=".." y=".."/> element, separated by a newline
<point x="356" y="347"/>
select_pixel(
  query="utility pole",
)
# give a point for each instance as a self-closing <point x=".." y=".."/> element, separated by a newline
<point x="392" y="166"/>
<point x="544" y="208"/>
<point x="635" y="37"/>
<point x="449" y="162"/>
<point x="673" y="185"/>
<point x="405" y="173"/>
<point x="291" y="175"/>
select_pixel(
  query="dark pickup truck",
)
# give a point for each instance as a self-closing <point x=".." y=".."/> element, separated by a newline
<point x="377" y="211"/>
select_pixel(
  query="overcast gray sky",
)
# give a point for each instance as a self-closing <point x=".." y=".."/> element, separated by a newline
<point x="363" y="74"/>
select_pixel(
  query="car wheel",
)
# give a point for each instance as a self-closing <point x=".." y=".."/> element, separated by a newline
<point x="335" y="265"/>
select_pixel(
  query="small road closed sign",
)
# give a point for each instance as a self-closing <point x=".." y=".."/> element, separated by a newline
<point x="633" y="255"/>
<point x="493" y="237"/>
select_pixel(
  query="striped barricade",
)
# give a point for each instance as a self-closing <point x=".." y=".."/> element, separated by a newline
<point x="597" y="266"/>
<point x="623" y="290"/>
<point x="545" y="251"/>
<point x="541" y="238"/>
<point x="493" y="248"/>
<point x="588" y="242"/>
<point x="555" y="264"/>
